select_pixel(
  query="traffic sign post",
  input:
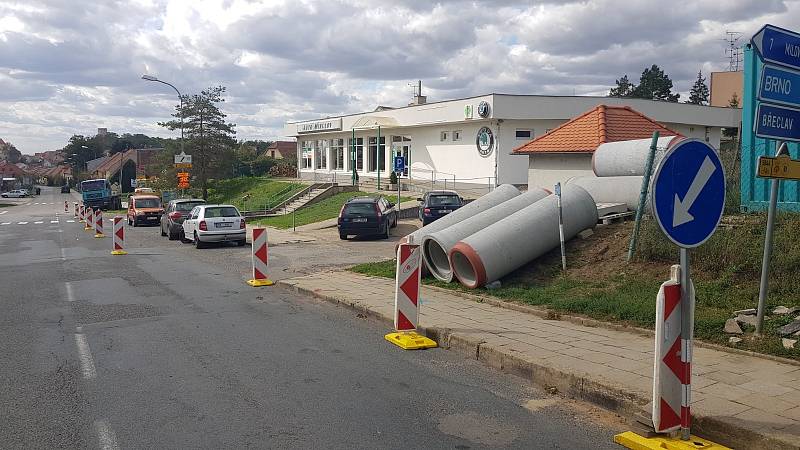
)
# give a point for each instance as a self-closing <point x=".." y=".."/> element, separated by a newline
<point x="777" y="46"/>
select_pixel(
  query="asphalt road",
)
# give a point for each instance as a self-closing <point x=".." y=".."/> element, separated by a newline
<point x="165" y="349"/>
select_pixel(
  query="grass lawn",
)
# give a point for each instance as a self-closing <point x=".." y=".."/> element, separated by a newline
<point x="323" y="210"/>
<point x="263" y="192"/>
<point x="600" y="285"/>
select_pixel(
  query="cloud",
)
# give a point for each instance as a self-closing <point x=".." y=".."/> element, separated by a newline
<point x="67" y="68"/>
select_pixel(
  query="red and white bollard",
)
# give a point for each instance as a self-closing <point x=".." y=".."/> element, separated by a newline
<point x="406" y="300"/>
<point x="76" y="209"/>
<point x="89" y="219"/>
<point x="66" y="206"/>
<point x="118" y="236"/>
<point x="98" y="223"/>
<point x="672" y="372"/>
<point x="260" y="259"/>
<point x="82" y="213"/>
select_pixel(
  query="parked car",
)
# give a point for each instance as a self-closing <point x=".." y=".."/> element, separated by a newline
<point x="177" y="211"/>
<point x="144" y="209"/>
<point x="65" y="189"/>
<point x="436" y="204"/>
<point x="16" y="193"/>
<point x="214" y="223"/>
<point x="361" y="216"/>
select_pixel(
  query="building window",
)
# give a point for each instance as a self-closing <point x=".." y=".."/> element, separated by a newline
<point x="308" y="149"/>
<point x="457" y="135"/>
<point x="524" y="134"/>
<point x="337" y="153"/>
<point x="321" y="153"/>
<point x="377" y="159"/>
<point x="443" y="136"/>
<point x="357" y="146"/>
<point x="272" y="153"/>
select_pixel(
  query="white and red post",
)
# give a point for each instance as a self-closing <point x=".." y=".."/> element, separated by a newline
<point x="260" y="259"/>
<point x="89" y="219"/>
<point x="66" y="206"/>
<point x="118" y="236"/>
<point x="76" y="210"/>
<point x="82" y="213"/>
<point x="408" y="280"/>
<point x="673" y="369"/>
<point x="98" y="223"/>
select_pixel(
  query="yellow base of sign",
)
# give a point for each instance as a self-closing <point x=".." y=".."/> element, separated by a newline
<point x="410" y="340"/>
<point x="82" y="221"/>
<point x="88" y="229"/>
<point x="99" y="235"/>
<point x="259" y="283"/>
<point x="119" y="252"/>
<point x="631" y="440"/>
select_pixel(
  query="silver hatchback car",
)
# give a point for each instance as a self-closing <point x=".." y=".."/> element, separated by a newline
<point x="214" y="223"/>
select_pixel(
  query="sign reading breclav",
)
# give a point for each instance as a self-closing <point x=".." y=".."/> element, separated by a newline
<point x="320" y="125"/>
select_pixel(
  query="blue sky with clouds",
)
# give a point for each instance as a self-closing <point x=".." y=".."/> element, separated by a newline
<point x="70" y="67"/>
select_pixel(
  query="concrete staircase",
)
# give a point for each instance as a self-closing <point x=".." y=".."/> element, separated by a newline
<point x="303" y="200"/>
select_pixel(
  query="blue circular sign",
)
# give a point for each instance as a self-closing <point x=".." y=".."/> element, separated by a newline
<point x="688" y="192"/>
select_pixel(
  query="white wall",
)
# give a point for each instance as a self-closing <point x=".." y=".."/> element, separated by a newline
<point x="546" y="169"/>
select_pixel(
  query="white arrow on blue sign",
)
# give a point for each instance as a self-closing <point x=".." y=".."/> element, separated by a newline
<point x="688" y="194"/>
<point x="778" y="46"/>
<point x="777" y="122"/>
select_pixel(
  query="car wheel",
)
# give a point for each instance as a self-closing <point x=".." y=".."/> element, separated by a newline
<point x="241" y="243"/>
<point x="342" y="236"/>
<point x="394" y="223"/>
<point x="385" y="234"/>
<point x="171" y="235"/>
<point x="197" y="242"/>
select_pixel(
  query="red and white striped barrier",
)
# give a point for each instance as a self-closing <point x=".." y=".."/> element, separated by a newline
<point x="673" y="369"/>
<point x="89" y="219"/>
<point x="76" y="209"/>
<point x="82" y="213"/>
<point x="98" y="223"/>
<point x="118" y="236"/>
<point x="66" y="206"/>
<point x="406" y="299"/>
<point x="260" y="259"/>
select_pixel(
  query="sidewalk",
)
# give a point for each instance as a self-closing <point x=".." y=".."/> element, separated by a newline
<point x="738" y="400"/>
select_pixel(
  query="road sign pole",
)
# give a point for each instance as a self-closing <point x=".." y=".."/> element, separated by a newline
<point x="773" y="203"/>
<point x="561" y="228"/>
<point x="687" y="323"/>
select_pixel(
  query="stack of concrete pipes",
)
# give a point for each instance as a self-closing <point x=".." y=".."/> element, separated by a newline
<point x="494" y="238"/>
<point x="619" y="169"/>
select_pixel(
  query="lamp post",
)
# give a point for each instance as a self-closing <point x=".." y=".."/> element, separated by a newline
<point x="180" y="98"/>
<point x="87" y="162"/>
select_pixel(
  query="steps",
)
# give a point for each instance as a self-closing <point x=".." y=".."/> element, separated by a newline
<point x="302" y="200"/>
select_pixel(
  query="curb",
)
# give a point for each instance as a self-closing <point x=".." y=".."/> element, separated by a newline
<point x="604" y="395"/>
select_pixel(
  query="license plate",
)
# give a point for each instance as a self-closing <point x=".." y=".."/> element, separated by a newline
<point x="152" y="218"/>
<point x="224" y="225"/>
<point x="445" y="211"/>
<point x="360" y="219"/>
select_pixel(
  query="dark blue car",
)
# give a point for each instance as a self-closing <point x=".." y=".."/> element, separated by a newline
<point x="367" y="216"/>
<point x="436" y="204"/>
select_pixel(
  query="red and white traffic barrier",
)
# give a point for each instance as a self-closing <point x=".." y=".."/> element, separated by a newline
<point x="76" y="209"/>
<point x="98" y="223"/>
<point x="408" y="279"/>
<point x="82" y="213"/>
<point x="66" y="206"/>
<point x="260" y="259"/>
<point x="673" y="369"/>
<point x="89" y="219"/>
<point x="118" y="236"/>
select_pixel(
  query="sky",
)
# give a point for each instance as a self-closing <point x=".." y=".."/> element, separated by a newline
<point x="70" y="67"/>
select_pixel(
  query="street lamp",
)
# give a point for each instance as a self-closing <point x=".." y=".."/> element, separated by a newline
<point x="180" y="97"/>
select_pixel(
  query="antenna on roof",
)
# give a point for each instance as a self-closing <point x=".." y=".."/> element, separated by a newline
<point x="418" y="98"/>
<point x="733" y="50"/>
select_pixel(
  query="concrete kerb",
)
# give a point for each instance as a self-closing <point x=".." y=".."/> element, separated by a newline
<point x="612" y="398"/>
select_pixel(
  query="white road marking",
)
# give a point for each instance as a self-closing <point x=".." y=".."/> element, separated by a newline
<point x="106" y="436"/>
<point x="22" y="223"/>
<point x="63" y="252"/>
<point x="38" y="222"/>
<point x="68" y="285"/>
<point x="85" y="355"/>
<point x="5" y="223"/>
<point x="53" y="221"/>
<point x="3" y="212"/>
<point x="70" y="221"/>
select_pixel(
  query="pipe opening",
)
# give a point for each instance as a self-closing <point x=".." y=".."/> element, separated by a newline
<point x="463" y="269"/>
<point x="436" y="259"/>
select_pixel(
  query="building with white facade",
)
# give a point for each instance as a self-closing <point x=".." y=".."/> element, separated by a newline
<point x="469" y="140"/>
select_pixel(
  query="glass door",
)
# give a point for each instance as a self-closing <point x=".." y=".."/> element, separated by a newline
<point x="401" y="146"/>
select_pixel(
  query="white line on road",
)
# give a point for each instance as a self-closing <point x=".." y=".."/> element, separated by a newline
<point x="5" y="223"/>
<point x="70" y="221"/>
<point x="53" y="221"/>
<point x="22" y="223"/>
<point x="85" y="355"/>
<point x="68" y="285"/>
<point x="3" y="212"/>
<point x="106" y="436"/>
<point x="63" y="252"/>
<point x="38" y="222"/>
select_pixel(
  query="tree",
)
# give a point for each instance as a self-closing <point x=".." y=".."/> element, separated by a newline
<point x="654" y="84"/>
<point x="623" y="89"/>
<point x="732" y="132"/>
<point x="699" y="93"/>
<point x="734" y="101"/>
<point x="209" y="138"/>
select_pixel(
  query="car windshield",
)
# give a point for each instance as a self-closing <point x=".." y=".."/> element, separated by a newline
<point x="186" y="206"/>
<point x="444" y="200"/>
<point x="359" y="208"/>
<point x="147" y="203"/>
<point x="93" y="185"/>
<point x="221" y="211"/>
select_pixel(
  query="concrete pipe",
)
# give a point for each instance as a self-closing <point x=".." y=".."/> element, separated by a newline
<point x="436" y="246"/>
<point x="627" y="158"/>
<point x="509" y="244"/>
<point x="611" y="189"/>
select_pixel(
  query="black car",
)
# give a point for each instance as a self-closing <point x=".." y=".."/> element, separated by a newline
<point x="65" y="189"/>
<point x="367" y="216"/>
<point x="435" y="204"/>
<point x="175" y="214"/>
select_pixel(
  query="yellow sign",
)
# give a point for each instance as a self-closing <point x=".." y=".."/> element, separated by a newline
<point x="183" y="180"/>
<point x="782" y="167"/>
<point x="183" y="165"/>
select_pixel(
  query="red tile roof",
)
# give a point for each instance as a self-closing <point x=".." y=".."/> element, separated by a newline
<point x="597" y="126"/>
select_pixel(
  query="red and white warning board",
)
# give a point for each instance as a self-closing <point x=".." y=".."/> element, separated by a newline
<point x="407" y="283"/>
<point x="672" y="368"/>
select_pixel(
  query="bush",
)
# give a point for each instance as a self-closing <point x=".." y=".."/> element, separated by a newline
<point x="282" y="169"/>
<point x="393" y="178"/>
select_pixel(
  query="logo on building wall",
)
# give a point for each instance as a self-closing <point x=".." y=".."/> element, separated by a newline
<point x="468" y="112"/>
<point x="320" y="125"/>
<point x="485" y="141"/>
<point x="483" y="109"/>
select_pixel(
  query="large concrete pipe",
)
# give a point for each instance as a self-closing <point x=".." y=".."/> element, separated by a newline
<point x="436" y="246"/>
<point x="521" y="237"/>
<point x="611" y="189"/>
<point x="627" y="158"/>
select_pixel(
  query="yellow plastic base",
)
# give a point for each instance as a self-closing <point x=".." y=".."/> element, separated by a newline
<point x="119" y="252"/>
<point x="631" y="440"/>
<point x="99" y="235"/>
<point x="410" y="340"/>
<point x="259" y="283"/>
<point x="88" y="229"/>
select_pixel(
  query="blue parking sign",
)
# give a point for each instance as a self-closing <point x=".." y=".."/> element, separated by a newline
<point x="399" y="163"/>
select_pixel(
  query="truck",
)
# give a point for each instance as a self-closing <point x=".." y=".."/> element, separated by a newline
<point x="97" y="194"/>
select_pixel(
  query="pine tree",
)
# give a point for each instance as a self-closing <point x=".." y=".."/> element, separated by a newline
<point x="623" y="89"/>
<point x="654" y="84"/>
<point x="699" y="93"/>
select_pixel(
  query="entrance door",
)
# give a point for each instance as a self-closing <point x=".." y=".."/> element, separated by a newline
<point x="401" y="146"/>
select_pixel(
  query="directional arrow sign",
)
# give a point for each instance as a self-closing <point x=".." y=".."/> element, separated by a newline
<point x="777" y="122"/>
<point x="688" y="194"/>
<point x="780" y="86"/>
<point x="778" y="46"/>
